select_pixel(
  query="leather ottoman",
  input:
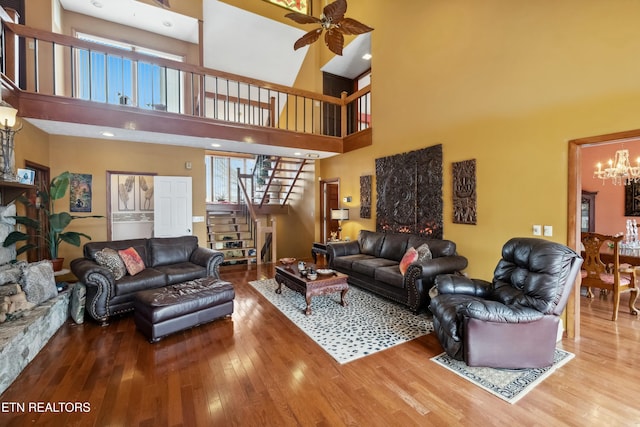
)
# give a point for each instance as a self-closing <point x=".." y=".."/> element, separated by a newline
<point x="162" y="311"/>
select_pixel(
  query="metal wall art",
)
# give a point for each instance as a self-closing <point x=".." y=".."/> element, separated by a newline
<point x="464" y="192"/>
<point x="365" y="196"/>
<point x="409" y="192"/>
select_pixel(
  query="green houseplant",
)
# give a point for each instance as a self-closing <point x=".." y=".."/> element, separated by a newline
<point x="58" y="222"/>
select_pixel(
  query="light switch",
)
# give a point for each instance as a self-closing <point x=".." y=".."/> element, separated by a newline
<point x="548" y="230"/>
<point x="537" y="230"/>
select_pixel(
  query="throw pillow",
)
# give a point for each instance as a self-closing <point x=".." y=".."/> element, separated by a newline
<point x="132" y="261"/>
<point x="78" y="300"/>
<point x="38" y="282"/>
<point x="424" y="253"/>
<point x="410" y="256"/>
<point x="110" y="259"/>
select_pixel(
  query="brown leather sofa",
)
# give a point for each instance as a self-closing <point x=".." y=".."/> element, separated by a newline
<point x="167" y="261"/>
<point x="372" y="262"/>
<point x="511" y="322"/>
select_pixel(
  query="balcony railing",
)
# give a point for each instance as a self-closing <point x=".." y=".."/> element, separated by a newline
<point x="64" y="66"/>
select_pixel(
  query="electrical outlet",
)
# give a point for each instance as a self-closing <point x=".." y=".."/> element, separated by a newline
<point x="548" y="230"/>
<point x="537" y="230"/>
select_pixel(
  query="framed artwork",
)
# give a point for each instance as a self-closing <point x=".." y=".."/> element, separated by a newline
<point x="365" y="196"/>
<point x="301" y="6"/>
<point x="464" y="192"/>
<point x="145" y="185"/>
<point x="80" y="192"/>
<point x="126" y="192"/>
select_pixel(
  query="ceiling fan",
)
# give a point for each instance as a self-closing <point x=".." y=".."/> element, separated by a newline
<point x="332" y="20"/>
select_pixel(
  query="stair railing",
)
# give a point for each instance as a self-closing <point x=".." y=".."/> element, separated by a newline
<point x="265" y="246"/>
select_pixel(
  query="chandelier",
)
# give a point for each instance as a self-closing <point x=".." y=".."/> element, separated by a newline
<point x="620" y="170"/>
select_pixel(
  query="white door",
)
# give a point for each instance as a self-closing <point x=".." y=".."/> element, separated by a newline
<point x="173" y="206"/>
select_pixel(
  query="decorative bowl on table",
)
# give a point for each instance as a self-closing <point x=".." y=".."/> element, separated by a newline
<point x="287" y="261"/>
<point x="324" y="271"/>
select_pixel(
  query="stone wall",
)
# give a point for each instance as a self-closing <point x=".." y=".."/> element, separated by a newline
<point x="23" y="338"/>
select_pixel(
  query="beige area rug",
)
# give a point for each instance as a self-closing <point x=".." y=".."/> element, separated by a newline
<point x="508" y="384"/>
<point x="367" y="325"/>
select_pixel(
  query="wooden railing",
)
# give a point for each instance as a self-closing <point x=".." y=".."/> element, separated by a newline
<point x="61" y="65"/>
<point x="264" y="236"/>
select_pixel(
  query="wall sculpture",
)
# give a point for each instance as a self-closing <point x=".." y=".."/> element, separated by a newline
<point x="409" y="192"/>
<point x="464" y="192"/>
<point x="365" y="196"/>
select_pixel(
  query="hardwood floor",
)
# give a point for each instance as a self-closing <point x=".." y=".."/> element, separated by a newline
<point x="257" y="369"/>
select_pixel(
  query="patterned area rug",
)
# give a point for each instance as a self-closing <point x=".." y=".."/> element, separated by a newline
<point x="367" y="325"/>
<point x="508" y="384"/>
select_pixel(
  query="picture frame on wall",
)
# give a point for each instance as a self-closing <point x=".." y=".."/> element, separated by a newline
<point x="26" y="176"/>
<point x="126" y="192"/>
<point x="300" y="6"/>
<point x="80" y="192"/>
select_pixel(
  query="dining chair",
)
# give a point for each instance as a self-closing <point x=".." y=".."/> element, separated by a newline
<point x="617" y="278"/>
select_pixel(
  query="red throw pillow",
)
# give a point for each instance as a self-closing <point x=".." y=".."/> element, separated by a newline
<point x="132" y="261"/>
<point x="410" y="256"/>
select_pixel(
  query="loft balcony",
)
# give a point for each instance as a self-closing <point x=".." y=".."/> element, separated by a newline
<point x="56" y="80"/>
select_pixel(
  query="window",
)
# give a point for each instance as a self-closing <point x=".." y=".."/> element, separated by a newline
<point x="222" y="177"/>
<point x="115" y="79"/>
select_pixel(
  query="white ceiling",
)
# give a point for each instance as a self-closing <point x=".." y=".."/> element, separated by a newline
<point x="235" y="41"/>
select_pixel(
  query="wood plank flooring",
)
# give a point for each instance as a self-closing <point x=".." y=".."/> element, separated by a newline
<point x="257" y="369"/>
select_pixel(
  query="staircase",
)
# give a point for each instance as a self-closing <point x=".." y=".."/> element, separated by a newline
<point x="230" y="232"/>
<point x="236" y="230"/>
<point x="276" y="179"/>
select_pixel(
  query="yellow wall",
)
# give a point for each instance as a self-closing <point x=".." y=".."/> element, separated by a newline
<point x="97" y="156"/>
<point x="504" y="82"/>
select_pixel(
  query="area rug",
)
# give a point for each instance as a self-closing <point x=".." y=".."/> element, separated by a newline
<point x="508" y="384"/>
<point x="368" y="323"/>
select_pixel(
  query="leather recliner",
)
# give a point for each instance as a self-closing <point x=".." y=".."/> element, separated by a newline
<point x="513" y="321"/>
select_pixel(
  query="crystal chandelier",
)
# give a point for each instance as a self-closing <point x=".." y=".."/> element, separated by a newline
<point x="620" y="170"/>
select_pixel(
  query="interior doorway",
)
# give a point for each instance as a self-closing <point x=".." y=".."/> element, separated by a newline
<point x="574" y="205"/>
<point x="33" y="211"/>
<point x="329" y="199"/>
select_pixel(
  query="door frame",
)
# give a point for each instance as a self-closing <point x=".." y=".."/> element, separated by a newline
<point x="42" y="180"/>
<point x="324" y="183"/>
<point x="573" y="208"/>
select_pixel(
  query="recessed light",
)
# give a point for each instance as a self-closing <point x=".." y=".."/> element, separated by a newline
<point x="96" y="3"/>
<point x="215" y="145"/>
<point x="107" y="133"/>
<point x="167" y="24"/>
<point x="297" y="154"/>
<point x="366" y="56"/>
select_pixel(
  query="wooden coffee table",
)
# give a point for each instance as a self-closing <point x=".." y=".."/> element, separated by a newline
<point x="323" y="285"/>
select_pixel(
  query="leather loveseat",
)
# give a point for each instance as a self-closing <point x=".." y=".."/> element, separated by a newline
<point x="373" y="262"/>
<point x="167" y="261"/>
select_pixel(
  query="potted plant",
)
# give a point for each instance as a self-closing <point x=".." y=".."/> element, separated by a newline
<point x="58" y="222"/>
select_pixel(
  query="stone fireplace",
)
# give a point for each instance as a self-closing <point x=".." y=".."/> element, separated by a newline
<point x="30" y="314"/>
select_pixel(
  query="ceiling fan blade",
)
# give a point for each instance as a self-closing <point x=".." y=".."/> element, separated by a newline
<point x="301" y="18"/>
<point x="334" y="41"/>
<point x="335" y="11"/>
<point x="308" y="38"/>
<point x="351" y="26"/>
